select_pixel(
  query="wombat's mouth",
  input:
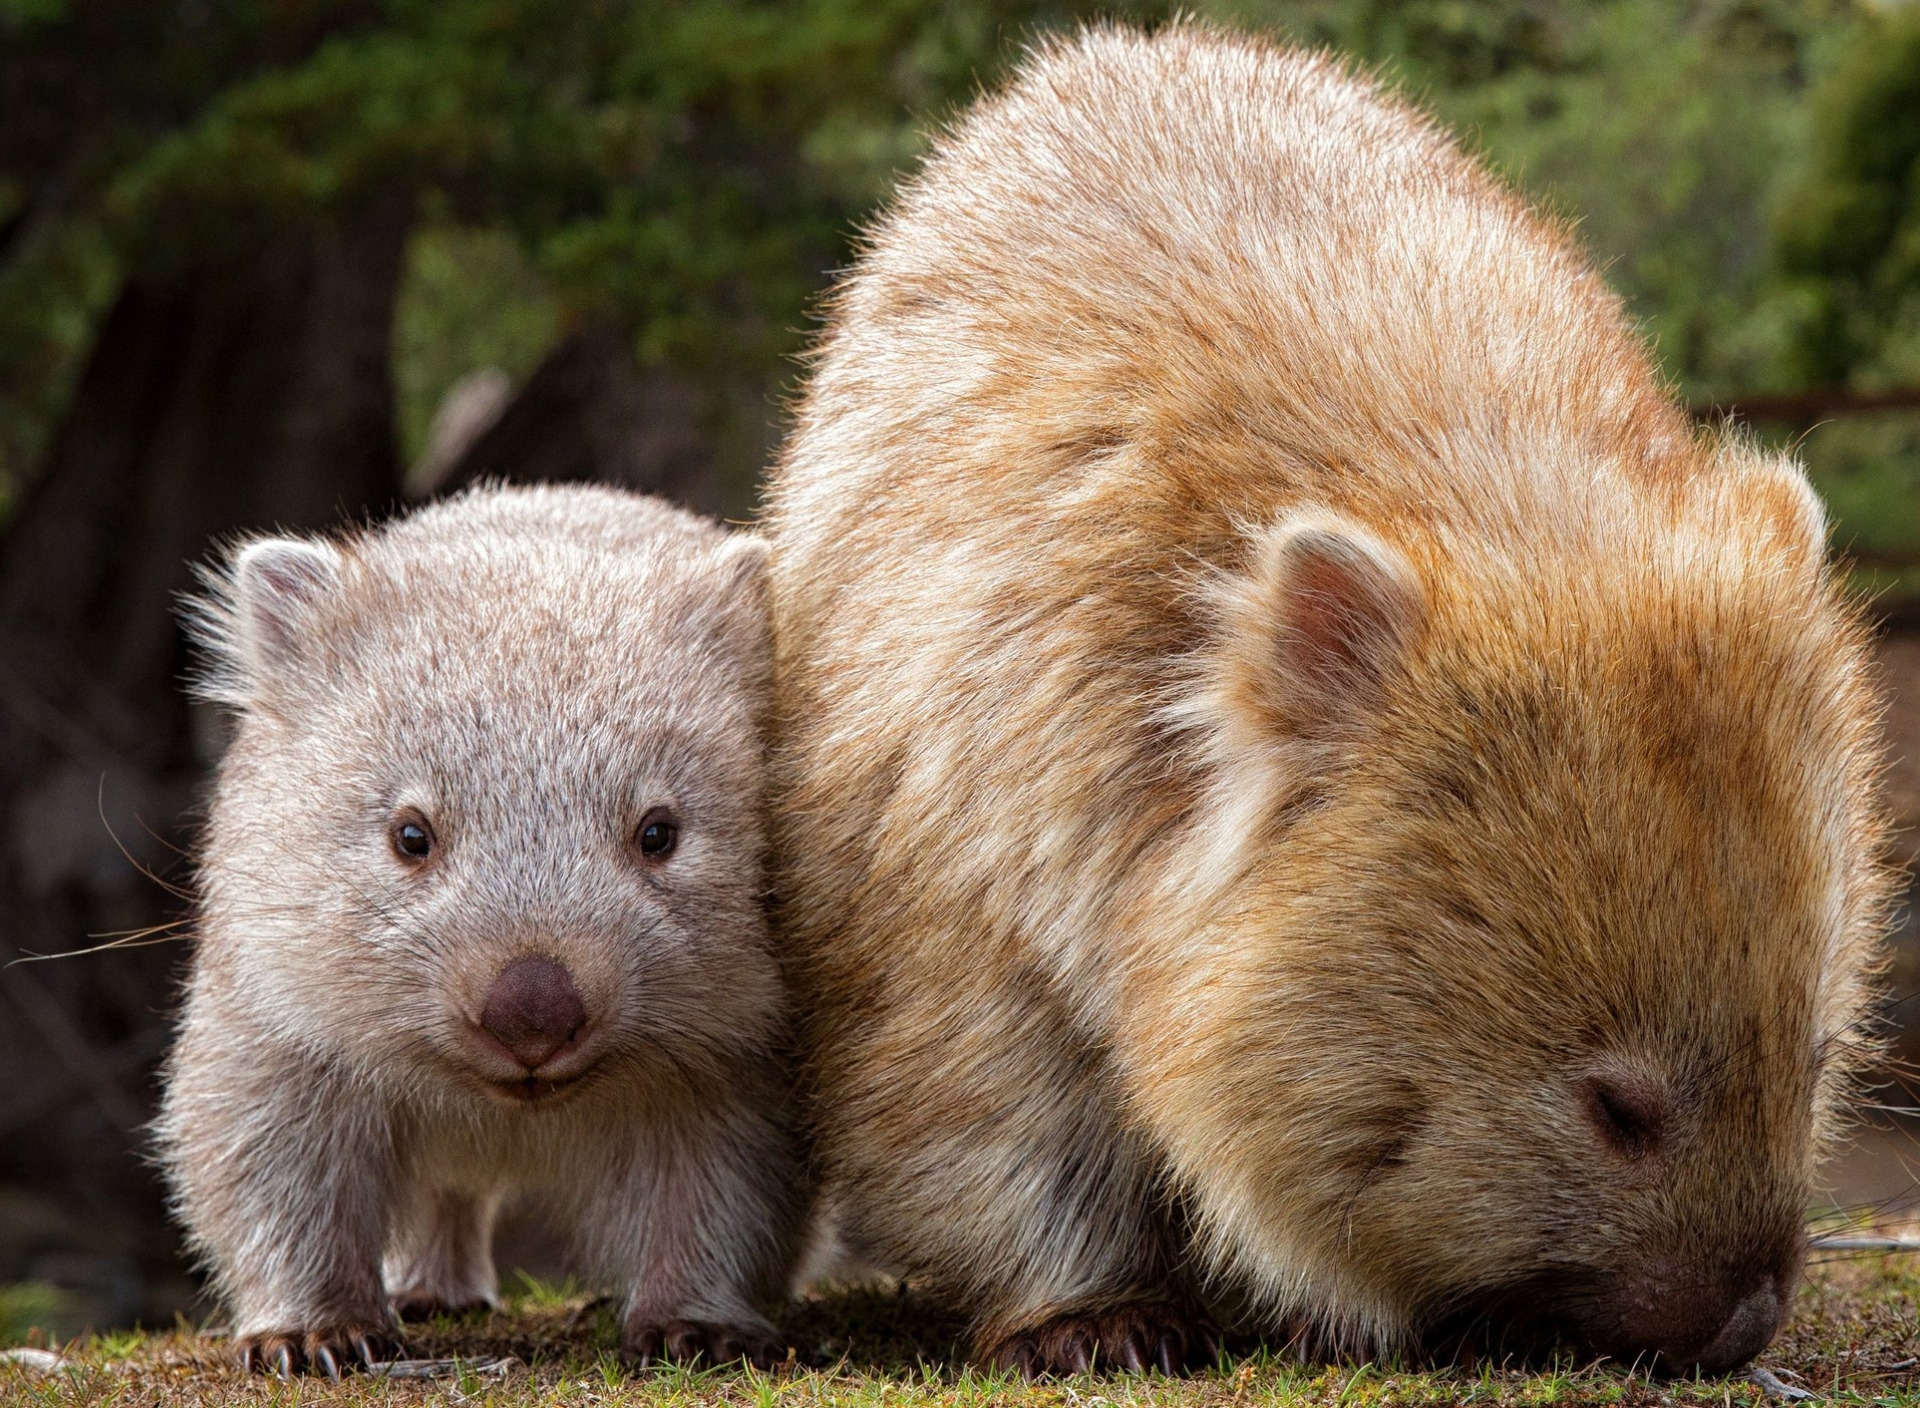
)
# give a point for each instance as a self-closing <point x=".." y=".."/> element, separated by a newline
<point x="521" y="1087"/>
<point x="530" y="1091"/>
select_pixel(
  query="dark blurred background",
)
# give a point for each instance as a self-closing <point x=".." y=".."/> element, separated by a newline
<point x="299" y="262"/>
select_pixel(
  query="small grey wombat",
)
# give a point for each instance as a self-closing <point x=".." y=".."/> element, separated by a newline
<point x="481" y="918"/>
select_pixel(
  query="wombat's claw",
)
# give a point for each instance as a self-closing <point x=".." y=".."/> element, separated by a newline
<point x="378" y="1348"/>
<point x="1133" y="1339"/>
<point x="287" y="1353"/>
<point x="693" y="1341"/>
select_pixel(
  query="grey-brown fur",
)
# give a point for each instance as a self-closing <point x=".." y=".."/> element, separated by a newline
<point x="535" y="672"/>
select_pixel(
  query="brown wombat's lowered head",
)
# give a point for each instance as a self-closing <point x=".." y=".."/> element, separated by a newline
<point x="1543" y="897"/>
<point x="492" y="814"/>
<point x="482" y="920"/>
<point x="1278" y="703"/>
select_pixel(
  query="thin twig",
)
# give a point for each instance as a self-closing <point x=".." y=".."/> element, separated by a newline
<point x="1809" y="405"/>
<point x="1850" y="1242"/>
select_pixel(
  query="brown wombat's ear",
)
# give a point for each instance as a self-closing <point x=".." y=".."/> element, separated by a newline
<point x="257" y="615"/>
<point x="1773" y="491"/>
<point x="1313" y="632"/>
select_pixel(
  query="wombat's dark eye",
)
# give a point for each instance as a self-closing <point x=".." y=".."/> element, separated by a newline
<point x="411" y="837"/>
<point x="1628" y="1114"/>
<point x="656" y="835"/>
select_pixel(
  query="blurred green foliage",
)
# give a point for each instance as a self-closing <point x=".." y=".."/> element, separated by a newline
<point x="690" y="171"/>
<point x="1850" y="224"/>
<point x="470" y="297"/>
<point x="694" y="170"/>
<point x="27" y="1306"/>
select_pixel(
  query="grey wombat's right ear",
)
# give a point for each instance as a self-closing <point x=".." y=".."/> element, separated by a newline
<point x="260" y="612"/>
<point x="737" y="615"/>
<point x="748" y="594"/>
<point x="747" y="554"/>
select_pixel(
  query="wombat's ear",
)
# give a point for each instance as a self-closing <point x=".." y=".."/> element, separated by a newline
<point x="746" y="554"/>
<point x="260" y="613"/>
<point x="745" y="594"/>
<point x="1311" y="635"/>
<point x="1773" y="491"/>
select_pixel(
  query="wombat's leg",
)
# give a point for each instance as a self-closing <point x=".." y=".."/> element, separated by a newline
<point x="280" y="1171"/>
<point x="971" y="1137"/>
<point x="443" y="1263"/>
<point x="702" y="1226"/>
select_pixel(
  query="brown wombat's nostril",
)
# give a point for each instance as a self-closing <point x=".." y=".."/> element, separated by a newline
<point x="1748" y="1330"/>
<point x="533" y="1009"/>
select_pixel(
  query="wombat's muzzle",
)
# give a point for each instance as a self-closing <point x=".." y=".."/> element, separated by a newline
<point x="1749" y="1329"/>
<point x="1708" y="1332"/>
<point x="1664" y="1323"/>
<point x="1679" y="1324"/>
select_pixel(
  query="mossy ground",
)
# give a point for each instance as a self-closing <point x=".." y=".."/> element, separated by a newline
<point x="1855" y="1338"/>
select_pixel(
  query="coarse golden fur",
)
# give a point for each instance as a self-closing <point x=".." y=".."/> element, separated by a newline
<point x="1298" y="768"/>
<point x="380" y="1049"/>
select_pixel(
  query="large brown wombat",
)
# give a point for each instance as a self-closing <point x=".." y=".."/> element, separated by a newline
<point x="1299" y="768"/>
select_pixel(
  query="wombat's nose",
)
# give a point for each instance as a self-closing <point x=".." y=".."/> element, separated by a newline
<point x="1749" y="1328"/>
<point x="533" y="1009"/>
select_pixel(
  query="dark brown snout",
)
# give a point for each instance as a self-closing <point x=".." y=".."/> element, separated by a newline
<point x="533" y="1010"/>
<point x="1659" y="1316"/>
<point x="1713" y="1331"/>
<point x="1747" y="1331"/>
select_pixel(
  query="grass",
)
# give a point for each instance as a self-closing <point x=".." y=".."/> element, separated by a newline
<point x="1855" y="1338"/>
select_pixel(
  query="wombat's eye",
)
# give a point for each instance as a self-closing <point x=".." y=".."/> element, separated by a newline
<point x="411" y="837"/>
<point x="1628" y="1114"/>
<point x="656" y="835"/>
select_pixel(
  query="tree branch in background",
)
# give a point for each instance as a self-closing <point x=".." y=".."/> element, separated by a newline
<point x="1805" y="407"/>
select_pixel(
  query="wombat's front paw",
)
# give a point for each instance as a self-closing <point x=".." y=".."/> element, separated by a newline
<point x="1135" y="1338"/>
<point x="697" y="1341"/>
<point x="320" y="1351"/>
<point x="424" y="1305"/>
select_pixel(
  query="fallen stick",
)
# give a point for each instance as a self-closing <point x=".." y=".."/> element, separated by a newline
<point x="1848" y="1242"/>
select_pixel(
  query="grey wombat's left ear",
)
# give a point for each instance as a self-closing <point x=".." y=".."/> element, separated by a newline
<point x="277" y="584"/>
<point x="259" y="614"/>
